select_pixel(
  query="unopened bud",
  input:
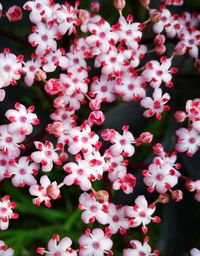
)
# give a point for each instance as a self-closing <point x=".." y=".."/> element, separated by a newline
<point x="96" y="117"/>
<point x="189" y="185"/>
<point x="63" y="157"/>
<point x="155" y="16"/>
<point x="180" y="116"/>
<point x="160" y="49"/>
<point x="159" y="39"/>
<point x="158" y="148"/>
<point x="163" y="198"/>
<point x="119" y="5"/>
<point x="40" y="75"/>
<point x="94" y="104"/>
<point x="145" y="3"/>
<point x="59" y="103"/>
<point x="101" y="196"/>
<point x="55" y="128"/>
<point x="177" y="195"/>
<point x="14" y="13"/>
<point x="180" y="49"/>
<point x="53" y="191"/>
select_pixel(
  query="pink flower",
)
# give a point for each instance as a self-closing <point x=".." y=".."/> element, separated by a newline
<point x="94" y="243"/>
<point x="140" y="213"/>
<point x="46" y="155"/>
<point x="188" y="140"/>
<point x="122" y="144"/>
<point x="138" y="249"/>
<point x="57" y="247"/>
<point x="161" y="177"/>
<point x="14" y="13"/>
<point x="92" y="209"/>
<point x="5" y="250"/>
<point x="22" y="172"/>
<point x="44" y="38"/>
<point x="156" y="105"/>
<point x="6" y="212"/>
<point x="30" y="68"/>
<point x="117" y="218"/>
<point x="43" y="192"/>
<point x="125" y="182"/>
<point x="21" y="119"/>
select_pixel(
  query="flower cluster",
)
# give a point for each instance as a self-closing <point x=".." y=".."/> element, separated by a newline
<point x="116" y="54"/>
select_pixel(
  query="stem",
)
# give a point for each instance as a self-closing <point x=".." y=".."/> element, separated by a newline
<point x="108" y="186"/>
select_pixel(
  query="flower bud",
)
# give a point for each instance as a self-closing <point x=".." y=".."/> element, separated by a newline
<point x="189" y="185"/>
<point x="163" y="198"/>
<point x="101" y="196"/>
<point x="145" y="3"/>
<point x="55" y="128"/>
<point x="160" y="49"/>
<point x="177" y="195"/>
<point x="40" y="75"/>
<point x="53" y="86"/>
<point x="14" y="13"/>
<point x="95" y="6"/>
<point x="59" y="103"/>
<point x="108" y="134"/>
<point x="96" y="117"/>
<point x="159" y="40"/>
<point x="119" y="4"/>
<point x="146" y="137"/>
<point x="158" y="148"/>
<point x="63" y="157"/>
<point x="180" y="49"/>
<point x="53" y="191"/>
<point x="94" y="104"/>
<point x="155" y="16"/>
<point x="180" y="116"/>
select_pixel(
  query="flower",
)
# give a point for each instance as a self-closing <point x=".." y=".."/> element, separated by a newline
<point x="5" y="250"/>
<point x="21" y="119"/>
<point x="14" y="13"/>
<point x="138" y="249"/>
<point x="94" y="243"/>
<point x="6" y="212"/>
<point x="194" y="252"/>
<point x="46" y="155"/>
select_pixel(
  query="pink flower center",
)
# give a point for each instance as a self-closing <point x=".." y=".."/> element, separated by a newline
<point x="142" y="214"/>
<point x="7" y="68"/>
<point x="64" y="116"/>
<point x="76" y="61"/>
<point x="32" y="68"/>
<point x="38" y="6"/>
<point x="9" y="139"/>
<point x="44" y="38"/>
<point x="102" y="35"/>
<point x="22" y="171"/>
<point x="159" y="176"/>
<point x="3" y="162"/>
<point x="84" y="139"/>
<point x="23" y="119"/>
<point x="3" y="209"/>
<point x="142" y="254"/>
<point x="159" y="73"/>
<point x="57" y="254"/>
<point x="115" y="218"/>
<point x="122" y="142"/>
<point x="48" y="153"/>
<point x="93" y="208"/>
<point x="191" y="41"/>
<point x="156" y="104"/>
<point x="104" y="88"/>
<point x="129" y="32"/>
<point x="113" y="59"/>
<point x="192" y="140"/>
<point x="80" y="171"/>
<point x="130" y="87"/>
<point x="96" y="245"/>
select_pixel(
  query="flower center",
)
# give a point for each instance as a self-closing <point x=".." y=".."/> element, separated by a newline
<point x="22" y="171"/>
<point x="9" y="139"/>
<point x="159" y="176"/>
<point x="115" y="218"/>
<point x="96" y="245"/>
<point x="142" y="214"/>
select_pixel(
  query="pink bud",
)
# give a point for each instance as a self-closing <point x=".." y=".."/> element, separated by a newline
<point x="180" y="116"/>
<point x="177" y="195"/>
<point x="95" y="104"/>
<point x="63" y="157"/>
<point x="59" y="103"/>
<point x="180" y="49"/>
<point x="14" y="13"/>
<point x="101" y="196"/>
<point x="119" y="4"/>
<point x="163" y="198"/>
<point x="96" y="117"/>
<point x="55" y="128"/>
<point x="53" y="191"/>
<point x="40" y="250"/>
<point x="146" y="137"/>
<point x="189" y="185"/>
<point x="158" y="148"/>
<point x="95" y="6"/>
<point x="159" y="39"/>
<point x="160" y="49"/>
<point x="155" y="16"/>
<point x="40" y="75"/>
<point x="108" y="134"/>
<point x="145" y="3"/>
<point x="53" y="86"/>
